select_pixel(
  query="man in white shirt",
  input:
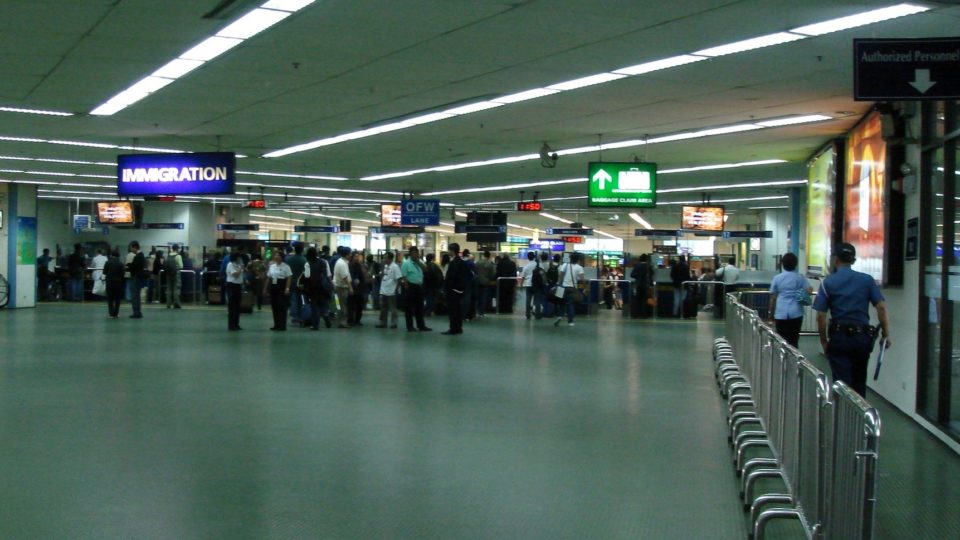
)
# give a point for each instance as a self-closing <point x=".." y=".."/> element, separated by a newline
<point x="571" y="275"/>
<point x="389" y="282"/>
<point x="729" y="273"/>
<point x="343" y="284"/>
<point x="534" y="294"/>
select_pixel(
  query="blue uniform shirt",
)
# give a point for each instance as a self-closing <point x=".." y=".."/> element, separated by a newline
<point x="847" y="294"/>
<point x="786" y="285"/>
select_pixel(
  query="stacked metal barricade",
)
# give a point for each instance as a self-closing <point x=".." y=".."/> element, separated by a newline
<point x="787" y="422"/>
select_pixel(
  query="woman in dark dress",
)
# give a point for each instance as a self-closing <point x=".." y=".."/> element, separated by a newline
<point x="113" y="271"/>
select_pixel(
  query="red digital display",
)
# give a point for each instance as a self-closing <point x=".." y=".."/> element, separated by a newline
<point x="530" y="206"/>
<point x="572" y="239"/>
<point x="259" y="203"/>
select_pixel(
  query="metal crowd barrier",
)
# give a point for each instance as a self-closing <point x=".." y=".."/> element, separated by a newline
<point x="819" y="440"/>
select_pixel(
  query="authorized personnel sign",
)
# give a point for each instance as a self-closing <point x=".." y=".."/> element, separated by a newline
<point x="906" y="69"/>
<point x="625" y="185"/>
<point x="420" y="212"/>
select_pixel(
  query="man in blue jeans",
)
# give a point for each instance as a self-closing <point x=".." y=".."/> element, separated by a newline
<point x="848" y="339"/>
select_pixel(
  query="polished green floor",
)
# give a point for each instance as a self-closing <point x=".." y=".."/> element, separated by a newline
<point x="171" y="427"/>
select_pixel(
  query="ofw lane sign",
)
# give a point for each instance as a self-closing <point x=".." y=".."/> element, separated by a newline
<point x="420" y="212"/>
<point x="906" y="69"/>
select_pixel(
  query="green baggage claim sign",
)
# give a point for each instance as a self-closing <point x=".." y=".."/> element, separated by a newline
<point x="629" y="184"/>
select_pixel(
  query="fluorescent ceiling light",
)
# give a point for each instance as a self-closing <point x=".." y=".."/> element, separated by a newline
<point x="21" y="139"/>
<point x="427" y="118"/>
<point x="525" y="95"/>
<point x="34" y="111"/>
<point x="636" y="217"/>
<point x="285" y="175"/>
<point x="859" y="19"/>
<point x="657" y="65"/>
<point x="461" y="214"/>
<point x="582" y="82"/>
<point x="750" y="44"/>
<point x="767" y="207"/>
<point x="52" y="160"/>
<point x="251" y="24"/>
<point x="556" y="218"/>
<point x="211" y="48"/>
<point x="745" y="199"/>
<point x="735" y="186"/>
<point x="287" y="5"/>
<point x="176" y="68"/>
<point x="722" y="166"/>
<point x="793" y="120"/>
<point x="510" y="186"/>
<point x="89" y="144"/>
<point x="608" y="235"/>
<point x="474" y="107"/>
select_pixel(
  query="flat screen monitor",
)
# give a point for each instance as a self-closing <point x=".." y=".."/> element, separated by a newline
<point x="115" y="212"/>
<point x="390" y="215"/>
<point x="702" y="218"/>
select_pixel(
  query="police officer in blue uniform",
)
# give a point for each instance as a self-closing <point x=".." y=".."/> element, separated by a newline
<point x="848" y="338"/>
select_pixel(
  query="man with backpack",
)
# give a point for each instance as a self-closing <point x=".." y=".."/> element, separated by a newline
<point x="533" y="283"/>
<point x="486" y="283"/>
<point x="172" y="266"/>
<point x="317" y="287"/>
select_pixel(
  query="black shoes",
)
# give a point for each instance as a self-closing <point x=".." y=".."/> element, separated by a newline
<point x="136" y="316"/>
<point x="425" y="329"/>
<point x="452" y="333"/>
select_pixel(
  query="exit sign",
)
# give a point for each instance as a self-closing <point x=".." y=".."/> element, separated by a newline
<point x="572" y="239"/>
<point x="530" y="206"/>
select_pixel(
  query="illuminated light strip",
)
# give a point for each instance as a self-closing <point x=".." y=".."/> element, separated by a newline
<point x="34" y="111"/>
<point x="767" y="207"/>
<point x="735" y="186"/>
<point x="89" y="144"/>
<point x="327" y="216"/>
<point x="644" y="223"/>
<point x="745" y="199"/>
<point x="289" y="175"/>
<point x="511" y="186"/>
<point x="52" y="160"/>
<point x="248" y="25"/>
<point x="803" y="32"/>
<point x="687" y="135"/>
<point x="722" y="166"/>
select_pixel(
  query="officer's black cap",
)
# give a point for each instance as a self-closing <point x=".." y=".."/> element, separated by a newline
<point x="846" y="252"/>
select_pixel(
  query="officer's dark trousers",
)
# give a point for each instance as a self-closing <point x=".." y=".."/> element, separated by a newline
<point x="849" y="355"/>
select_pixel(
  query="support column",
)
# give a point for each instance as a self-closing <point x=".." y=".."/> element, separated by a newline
<point x="796" y="207"/>
<point x="18" y="243"/>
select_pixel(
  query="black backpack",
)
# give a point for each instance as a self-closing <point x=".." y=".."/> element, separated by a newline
<point x="170" y="267"/>
<point x="319" y="284"/>
<point x="537" y="280"/>
<point x="553" y="275"/>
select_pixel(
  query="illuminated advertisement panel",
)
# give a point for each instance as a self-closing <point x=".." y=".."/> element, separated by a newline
<point x="864" y="195"/>
<point x="702" y="218"/>
<point x="822" y="177"/>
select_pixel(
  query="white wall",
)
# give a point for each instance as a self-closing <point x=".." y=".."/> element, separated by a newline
<point x="777" y="221"/>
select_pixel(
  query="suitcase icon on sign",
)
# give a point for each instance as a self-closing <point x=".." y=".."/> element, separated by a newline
<point x="633" y="180"/>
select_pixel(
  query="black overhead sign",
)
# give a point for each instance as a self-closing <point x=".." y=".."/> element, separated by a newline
<point x="906" y="69"/>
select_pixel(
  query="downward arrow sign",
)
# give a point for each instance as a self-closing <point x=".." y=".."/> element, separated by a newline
<point x="921" y="80"/>
<point x="603" y="177"/>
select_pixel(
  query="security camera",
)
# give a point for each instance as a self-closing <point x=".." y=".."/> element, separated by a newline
<point x="548" y="158"/>
<point x="614" y="218"/>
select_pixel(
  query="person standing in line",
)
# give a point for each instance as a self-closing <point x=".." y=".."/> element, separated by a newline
<point x="432" y="285"/>
<point x="412" y="273"/>
<point x="389" y="282"/>
<point x="454" y="284"/>
<point x="848" y="338"/>
<point x="319" y="287"/>
<point x="533" y="288"/>
<point x="343" y="284"/>
<point x="486" y="282"/>
<point x="785" y="292"/>
<point x="156" y="288"/>
<point x="358" y="276"/>
<point x="729" y="274"/>
<point x="171" y="270"/>
<point x="374" y="274"/>
<point x="113" y="271"/>
<point x="279" y="278"/>
<point x="507" y="288"/>
<point x="642" y="275"/>
<point x="138" y="271"/>
<point x="296" y="261"/>
<point x="43" y="275"/>
<point x="469" y="291"/>
<point x="571" y="275"/>
<point x="234" y="290"/>
<point x="679" y="272"/>
<point x="550" y="276"/>
<point x="76" y="265"/>
<point x="99" y="284"/>
<point x="258" y="278"/>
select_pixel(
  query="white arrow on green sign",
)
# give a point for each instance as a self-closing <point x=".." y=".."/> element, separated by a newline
<point x="622" y="184"/>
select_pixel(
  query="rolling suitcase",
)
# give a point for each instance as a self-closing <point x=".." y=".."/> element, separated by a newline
<point x="691" y="303"/>
<point x="214" y="295"/>
<point x="246" y="302"/>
